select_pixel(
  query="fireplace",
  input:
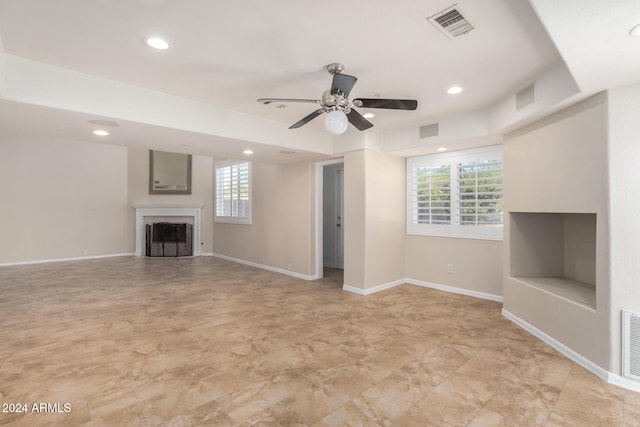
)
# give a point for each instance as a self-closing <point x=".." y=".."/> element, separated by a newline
<point x="166" y="239"/>
<point x="148" y="214"/>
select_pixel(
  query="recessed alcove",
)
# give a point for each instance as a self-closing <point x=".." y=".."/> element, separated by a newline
<point x="556" y="253"/>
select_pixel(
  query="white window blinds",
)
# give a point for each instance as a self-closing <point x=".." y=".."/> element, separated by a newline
<point x="233" y="192"/>
<point x="480" y="193"/>
<point x="431" y="194"/>
<point x="456" y="194"/>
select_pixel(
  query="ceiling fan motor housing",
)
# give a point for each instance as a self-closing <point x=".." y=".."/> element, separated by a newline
<point x="335" y="102"/>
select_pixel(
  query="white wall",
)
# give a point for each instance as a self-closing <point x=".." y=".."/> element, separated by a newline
<point x="61" y="199"/>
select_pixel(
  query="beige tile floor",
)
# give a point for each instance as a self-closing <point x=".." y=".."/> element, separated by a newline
<point x="202" y="341"/>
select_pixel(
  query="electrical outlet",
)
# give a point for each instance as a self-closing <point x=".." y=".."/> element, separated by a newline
<point x="289" y="266"/>
<point x="85" y="252"/>
<point x="449" y="268"/>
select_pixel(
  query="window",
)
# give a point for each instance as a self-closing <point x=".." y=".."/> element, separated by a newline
<point x="457" y="194"/>
<point x="233" y="192"/>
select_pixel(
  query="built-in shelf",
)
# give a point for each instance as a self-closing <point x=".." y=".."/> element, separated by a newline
<point x="556" y="253"/>
<point x="569" y="289"/>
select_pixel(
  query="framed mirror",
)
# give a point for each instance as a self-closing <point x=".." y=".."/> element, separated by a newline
<point x="169" y="173"/>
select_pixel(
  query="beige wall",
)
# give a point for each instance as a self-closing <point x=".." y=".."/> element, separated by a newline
<point x="377" y="248"/>
<point x="283" y="218"/>
<point x="201" y="193"/>
<point x="560" y="165"/>
<point x="61" y="198"/>
<point x="384" y="218"/>
<point x="374" y="204"/>
<point x="477" y="264"/>
<point x="354" y="219"/>
<point x="624" y="160"/>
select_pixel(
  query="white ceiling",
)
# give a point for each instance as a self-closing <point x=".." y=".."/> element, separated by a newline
<point x="593" y="39"/>
<point x="228" y="54"/>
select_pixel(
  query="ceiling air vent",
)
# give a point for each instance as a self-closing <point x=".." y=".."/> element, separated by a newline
<point x="526" y="96"/>
<point x="429" y="131"/>
<point x="451" y="22"/>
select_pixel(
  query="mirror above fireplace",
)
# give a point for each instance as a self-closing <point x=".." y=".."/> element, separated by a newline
<point x="169" y="173"/>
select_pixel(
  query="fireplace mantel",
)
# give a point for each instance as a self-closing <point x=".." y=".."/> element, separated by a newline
<point x="142" y="211"/>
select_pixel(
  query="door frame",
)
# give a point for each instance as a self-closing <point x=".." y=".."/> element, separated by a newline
<point x="339" y="233"/>
<point x="319" y="213"/>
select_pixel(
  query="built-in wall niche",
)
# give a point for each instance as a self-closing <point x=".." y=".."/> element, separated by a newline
<point x="555" y="252"/>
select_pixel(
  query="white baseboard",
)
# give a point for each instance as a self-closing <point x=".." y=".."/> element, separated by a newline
<point x="624" y="382"/>
<point x="265" y="267"/>
<point x="455" y="290"/>
<point x="45" y="261"/>
<point x="598" y="371"/>
<point x="373" y="290"/>
<point x="444" y="288"/>
<point x="354" y="290"/>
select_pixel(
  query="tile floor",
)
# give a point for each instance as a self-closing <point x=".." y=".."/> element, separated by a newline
<point x="202" y="341"/>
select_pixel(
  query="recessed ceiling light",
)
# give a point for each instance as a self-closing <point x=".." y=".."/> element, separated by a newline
<point x="368" y="115"/>
<point x="157" y="43"/>
<point x="100" y="122"/>
<point x="100" y="132"/>
<point x="454" y="89"/>
<point x="635" y="31"/>
<point x="247" y="152"/>
<point x="441" y="149"/>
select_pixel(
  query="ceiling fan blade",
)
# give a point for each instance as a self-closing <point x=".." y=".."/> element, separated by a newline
<point x="307" y="119"/>
<point x="270" y="100"/>
<point x="342" y="84"/>
<point x="358" y="121"/>
<point x="390" y="104"/>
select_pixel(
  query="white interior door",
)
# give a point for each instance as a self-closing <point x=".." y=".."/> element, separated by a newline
<point x="333" y="216"/>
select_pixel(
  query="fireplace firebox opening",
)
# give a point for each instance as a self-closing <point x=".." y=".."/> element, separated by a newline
<point x="166" y="239"/>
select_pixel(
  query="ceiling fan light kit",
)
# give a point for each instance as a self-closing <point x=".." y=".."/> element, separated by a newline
<point x="336" y="122"/>
<point x="335" y="101"/>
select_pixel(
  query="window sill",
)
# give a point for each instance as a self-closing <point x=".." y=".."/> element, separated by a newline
<point x="476" y="236"/>
<point x="219" y="220"/>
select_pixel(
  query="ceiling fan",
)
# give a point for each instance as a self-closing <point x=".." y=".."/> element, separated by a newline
<point x="336" y="103"/>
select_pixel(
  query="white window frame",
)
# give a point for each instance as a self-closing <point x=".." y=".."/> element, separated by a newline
<point x="453" y="229"/>
<point x="232" y="219"/>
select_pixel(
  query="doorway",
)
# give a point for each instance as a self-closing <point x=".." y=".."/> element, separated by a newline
<point x="329" y="217"/>
<point x="333" y="216"/>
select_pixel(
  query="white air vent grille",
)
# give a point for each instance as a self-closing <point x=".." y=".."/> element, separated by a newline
<point x="526" y="96"/>
<point x="429" y="130"/>
<point x="451" y="22"/>
<point x="631" y="345"/>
